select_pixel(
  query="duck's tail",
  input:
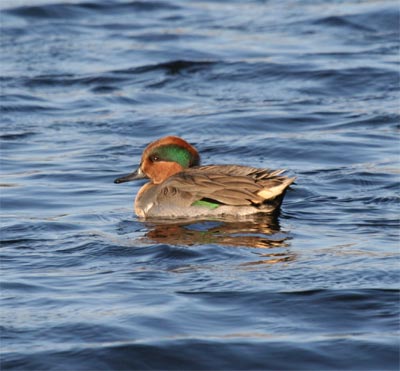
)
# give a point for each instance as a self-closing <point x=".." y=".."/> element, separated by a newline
<point x="273" y="195"/>
<point x="270" y="193"/>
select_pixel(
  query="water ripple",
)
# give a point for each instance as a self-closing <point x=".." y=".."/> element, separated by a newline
<point x="311" y="87"/>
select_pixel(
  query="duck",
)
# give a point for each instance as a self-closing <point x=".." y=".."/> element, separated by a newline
<point x="179" y="187"/>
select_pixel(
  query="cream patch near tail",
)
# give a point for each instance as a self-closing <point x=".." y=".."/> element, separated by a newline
<point x="272" y="192"/>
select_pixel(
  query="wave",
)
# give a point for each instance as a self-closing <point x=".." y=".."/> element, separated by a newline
<point x="77" y="10"/>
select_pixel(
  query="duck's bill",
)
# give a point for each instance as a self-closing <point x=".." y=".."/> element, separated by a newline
<point x="137" y="174"/>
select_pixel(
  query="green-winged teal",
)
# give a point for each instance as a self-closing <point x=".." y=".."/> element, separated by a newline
<point x="180" y="188"/>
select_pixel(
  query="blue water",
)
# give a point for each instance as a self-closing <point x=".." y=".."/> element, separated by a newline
<point x="308" y="86"/>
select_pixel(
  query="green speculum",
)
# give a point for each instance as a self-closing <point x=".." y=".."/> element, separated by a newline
<point x="208" y="204"/>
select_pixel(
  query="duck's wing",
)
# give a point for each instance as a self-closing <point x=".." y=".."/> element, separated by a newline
<point x="227" y="184"/>
<point x="236" y="170"/>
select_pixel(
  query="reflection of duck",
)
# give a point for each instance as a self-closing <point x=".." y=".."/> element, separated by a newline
<point x="180" y="188"/>
<point x="259" y="232"/>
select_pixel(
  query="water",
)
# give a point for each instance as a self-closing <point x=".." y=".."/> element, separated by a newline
<point x="310" y="86"/>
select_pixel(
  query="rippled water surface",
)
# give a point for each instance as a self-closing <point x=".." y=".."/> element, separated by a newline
<point x="308" y="86"/>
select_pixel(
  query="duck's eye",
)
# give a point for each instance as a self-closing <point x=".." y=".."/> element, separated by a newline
<point x="154" y="158"/>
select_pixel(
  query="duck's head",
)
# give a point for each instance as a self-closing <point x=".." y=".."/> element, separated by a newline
<point x="162" y="159"/>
